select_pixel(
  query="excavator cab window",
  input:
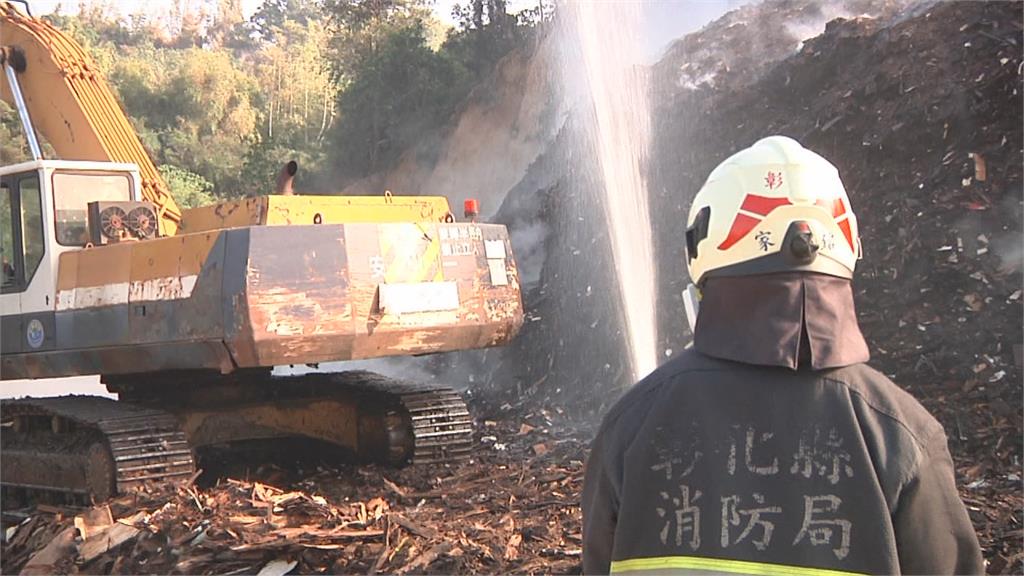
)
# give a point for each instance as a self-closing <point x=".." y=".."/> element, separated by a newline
<point x="21" y="230"/>
<point x="72" y="192"/>
<point x="6" y="236"/>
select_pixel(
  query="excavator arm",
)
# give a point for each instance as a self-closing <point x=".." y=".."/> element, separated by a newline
<point x="71" y="105"/>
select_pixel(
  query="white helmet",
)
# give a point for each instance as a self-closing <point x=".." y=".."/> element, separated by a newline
<point x="773" y="207"/>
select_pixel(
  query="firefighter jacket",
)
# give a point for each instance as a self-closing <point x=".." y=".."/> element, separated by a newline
<point x="771" y="448"/>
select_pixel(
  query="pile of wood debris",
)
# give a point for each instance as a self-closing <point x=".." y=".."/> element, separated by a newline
<point x="512" y="508"/>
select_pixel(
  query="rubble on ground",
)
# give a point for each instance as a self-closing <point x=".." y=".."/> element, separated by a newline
<point x="513" y="508"/>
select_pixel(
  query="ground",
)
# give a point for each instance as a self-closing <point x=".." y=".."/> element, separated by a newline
<point x="922" y="115"/>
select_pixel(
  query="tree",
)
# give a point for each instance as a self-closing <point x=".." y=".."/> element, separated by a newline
<point x="227" y="24"/>
<point x="400" y="91"/>
<point x="486" y="33"/>
<point x="13" y="147"/>
<point x="192" y="108"/>
<point x="270" y="18"/>
<point x="297" y="85"/>
<point x="188" y="188"/>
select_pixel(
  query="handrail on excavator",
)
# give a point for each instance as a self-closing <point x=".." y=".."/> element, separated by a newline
<point x="71" y="104"/>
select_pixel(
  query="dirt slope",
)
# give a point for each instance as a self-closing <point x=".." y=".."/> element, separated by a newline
<point x="503" y="126"/>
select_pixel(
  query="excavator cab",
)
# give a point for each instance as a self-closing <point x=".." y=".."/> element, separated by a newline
<point x="43" y="213"/>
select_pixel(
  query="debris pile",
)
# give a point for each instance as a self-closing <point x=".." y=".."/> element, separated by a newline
<point x="934" y="171"/>
<point x="512" y="509"/>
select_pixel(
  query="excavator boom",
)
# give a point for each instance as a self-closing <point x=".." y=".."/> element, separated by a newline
<point x="72" y="105"/>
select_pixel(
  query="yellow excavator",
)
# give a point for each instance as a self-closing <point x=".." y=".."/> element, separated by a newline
<point x="184" y="313"/>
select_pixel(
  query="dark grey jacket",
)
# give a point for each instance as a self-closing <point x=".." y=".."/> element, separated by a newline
<point x="712" y="465"/>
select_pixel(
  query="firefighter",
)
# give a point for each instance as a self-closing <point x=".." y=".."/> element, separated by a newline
<point x="770" y="447"/>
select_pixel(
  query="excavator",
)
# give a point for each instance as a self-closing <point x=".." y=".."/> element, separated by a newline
<point x="185" y="313"/>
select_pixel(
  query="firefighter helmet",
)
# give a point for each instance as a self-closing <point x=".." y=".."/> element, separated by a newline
<point x="773" y="207"/>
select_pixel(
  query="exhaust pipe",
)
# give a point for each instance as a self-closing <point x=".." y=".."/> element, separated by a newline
<point x="285" y="177"/>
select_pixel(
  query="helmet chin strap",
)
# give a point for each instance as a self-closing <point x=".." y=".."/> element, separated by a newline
<point x="691" y="304"/>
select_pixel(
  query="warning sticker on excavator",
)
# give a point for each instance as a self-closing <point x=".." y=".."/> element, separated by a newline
<point x="411" y="253"/>
<point x="418" y="297"/>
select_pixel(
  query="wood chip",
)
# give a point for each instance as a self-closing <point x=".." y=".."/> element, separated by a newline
<point x="93" y="521"/>
<point x="46" y="560"/>
<point x="413" y="527"/>
<point x="108" y="539"/>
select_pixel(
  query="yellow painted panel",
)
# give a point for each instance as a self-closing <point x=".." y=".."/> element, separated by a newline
<point x="67" y="271"/>
<point x="688" y="564"/>
<point x="158" y="258"/>
<point x="230" y="214"/>
<point x="286" y="210"/>
<point x="102" y="265"/>
<point x="195" y="250"/>
<point x="346" y="209"/>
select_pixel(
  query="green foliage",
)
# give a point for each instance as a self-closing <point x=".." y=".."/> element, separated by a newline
<point x="274" y="15"/>
<point x="191" y="107"/>
<point x="396" y="87"/>
<point x="13" y="147"/>
<point x="188" y="188"/>
<point x="297" y="89"/>
<point x="341" y="86"/>
<point x="487" y="32"/>
<point x="401" y="90"/>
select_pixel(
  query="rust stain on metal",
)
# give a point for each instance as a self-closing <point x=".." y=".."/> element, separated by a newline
<point x="285" y="313"/>
<point x="333" y="420"/>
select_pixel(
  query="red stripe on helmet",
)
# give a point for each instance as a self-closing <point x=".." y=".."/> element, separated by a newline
<point x="838" y="209"/>
<point x="836" y="206"/>
<point x="741" y="226"/>
<point x="848" y="232"/>
<point x="762" y="204"/>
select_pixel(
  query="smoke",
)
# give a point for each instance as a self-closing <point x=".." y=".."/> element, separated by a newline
<point x="411" y="368"/>
<point x="530" y="249"/>
<point x="1008" y="248"/>
<point x="980" y="235"/>
<point x="1007" y="244"/>
<point x="813" y="23"/>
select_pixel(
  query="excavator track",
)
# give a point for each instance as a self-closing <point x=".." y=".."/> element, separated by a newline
<point x="79" y="449"/>
<point x="441" y="426"/>
<point x="82" y="448"/>
<point x="399" y="422"/>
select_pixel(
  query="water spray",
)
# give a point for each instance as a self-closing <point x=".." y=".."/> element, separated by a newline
<point x="605" y="76"/>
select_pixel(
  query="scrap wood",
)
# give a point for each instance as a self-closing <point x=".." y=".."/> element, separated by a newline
<point x="93" y="521"/>
<point x="110" y="537"/>
<point x="277" y="568"/>
<point x="417" y="529"/>
<point x="379" y="563"/>
<point x="512" y="546"/>
<point x="341" y="523"/>
<point x="424" y="559"/>
<point x="47" y="560"/>
<point x="25" y="530"/>
<point x="393" y="487"/>
<point x="283" y="538"/>
<point x="245" y="519"/>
